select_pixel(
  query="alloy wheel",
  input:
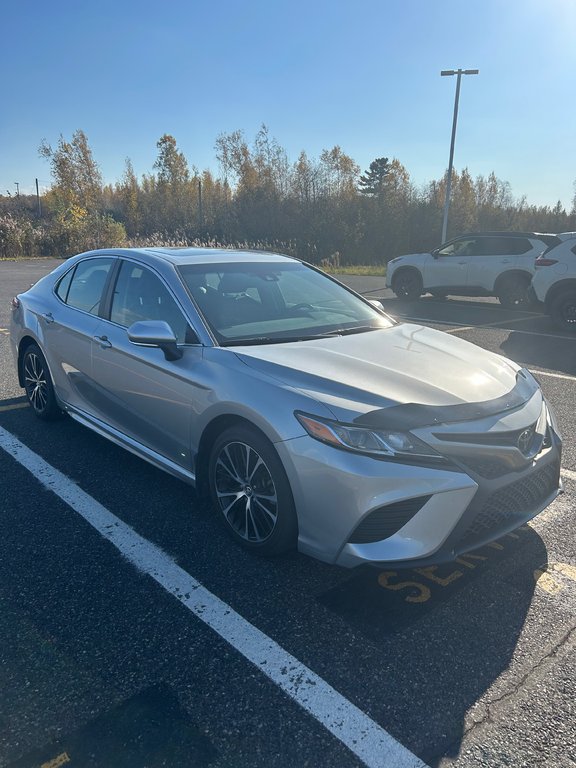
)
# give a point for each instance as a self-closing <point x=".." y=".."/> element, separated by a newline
<point x="246" y="492"/>
<point x="36" y="382"/>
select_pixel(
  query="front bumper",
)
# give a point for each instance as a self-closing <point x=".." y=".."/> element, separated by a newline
<point x="425" y="515"/>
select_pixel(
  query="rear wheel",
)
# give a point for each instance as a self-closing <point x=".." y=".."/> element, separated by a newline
<point x="513" y="292"/>
<point x="250" y="490"/>
<point x="563" y="310"/>
<point x="407" y="284"/>
<point x="38" y="384"/>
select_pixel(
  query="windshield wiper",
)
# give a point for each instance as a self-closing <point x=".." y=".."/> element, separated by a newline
<point x="254" y="340"/>
<point x="251" y="340"/>
<point x="349" y="331"/>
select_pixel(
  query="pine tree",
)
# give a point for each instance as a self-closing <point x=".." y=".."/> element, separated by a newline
<point x="373" y="182"/>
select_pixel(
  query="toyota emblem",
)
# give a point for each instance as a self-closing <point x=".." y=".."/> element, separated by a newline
<point x="525" y="440"/>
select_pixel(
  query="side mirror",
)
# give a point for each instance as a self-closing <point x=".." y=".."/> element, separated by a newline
<point x="435" y="253"/>
<point x="377" y="304"/>
<point x="155" y="333"/>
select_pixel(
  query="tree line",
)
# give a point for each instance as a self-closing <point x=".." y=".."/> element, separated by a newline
<point x="316" y="209"/>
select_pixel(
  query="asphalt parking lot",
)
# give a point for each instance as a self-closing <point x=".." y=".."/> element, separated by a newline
<point x="136" y="634"/>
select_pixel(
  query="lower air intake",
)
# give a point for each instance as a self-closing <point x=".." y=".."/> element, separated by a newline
<point x="385" y="521"/>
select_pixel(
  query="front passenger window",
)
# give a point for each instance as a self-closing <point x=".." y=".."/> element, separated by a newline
<point x="141" y="295"/>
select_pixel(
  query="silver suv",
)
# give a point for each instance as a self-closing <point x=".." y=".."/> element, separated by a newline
<point x="479" y="264"/>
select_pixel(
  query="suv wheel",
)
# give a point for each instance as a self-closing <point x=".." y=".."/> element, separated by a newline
<point x="563" y="310"/>
<point x="513" y="292"/>
<point x="407" y="284"/>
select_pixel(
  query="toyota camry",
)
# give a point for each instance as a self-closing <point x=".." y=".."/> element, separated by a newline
<point x="311" y="418"/>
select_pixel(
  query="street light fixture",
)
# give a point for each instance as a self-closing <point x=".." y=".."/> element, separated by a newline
<point x="459" y="73"/>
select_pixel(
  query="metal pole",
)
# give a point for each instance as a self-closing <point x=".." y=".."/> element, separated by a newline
<point x="459" y="73"/>
<point x="38" y="199"/>
<point x="200" y="211"/>
<point x="450" y="161"/>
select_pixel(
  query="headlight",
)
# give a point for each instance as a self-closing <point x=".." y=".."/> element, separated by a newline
<point x="362" y="440"/>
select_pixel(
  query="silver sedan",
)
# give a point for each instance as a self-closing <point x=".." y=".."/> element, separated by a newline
<point x="311" y="418"/>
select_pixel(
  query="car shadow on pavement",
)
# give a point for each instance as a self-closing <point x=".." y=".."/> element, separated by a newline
<point x="555" y="353"/>
<point x="451" y="630"/>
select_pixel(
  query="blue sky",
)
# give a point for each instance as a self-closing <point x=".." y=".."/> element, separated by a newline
<point x="361" y="74"/>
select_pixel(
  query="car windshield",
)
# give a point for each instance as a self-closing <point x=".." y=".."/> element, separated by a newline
<point x="259" y="303"/>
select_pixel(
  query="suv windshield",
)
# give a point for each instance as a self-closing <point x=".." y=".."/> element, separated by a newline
<point x="259" y="303"/>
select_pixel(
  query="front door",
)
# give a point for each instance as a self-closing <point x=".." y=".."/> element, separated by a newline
<point x="138" y="392"/>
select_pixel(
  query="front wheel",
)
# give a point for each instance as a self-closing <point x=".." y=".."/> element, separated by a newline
<point x="38" y="384"/>
<point x="513" y="293"/>
<point x="408" y="284"/>
<point x="563" y="310"/>
<point x="250" y="491"/>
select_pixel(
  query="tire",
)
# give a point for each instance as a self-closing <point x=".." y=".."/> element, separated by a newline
<point x="251" y="493"/>
<point x="38" y="385"/>
<point x="407" y="284"/>
<point x="513" y="292"/>
<point x="563" y="310"/>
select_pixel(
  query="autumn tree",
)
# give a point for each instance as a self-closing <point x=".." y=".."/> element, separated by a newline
<point x="174" y="192"/>
<point x="128" y="195"/>
<point x="76" y="197"/>
<point x="77" y="178"/>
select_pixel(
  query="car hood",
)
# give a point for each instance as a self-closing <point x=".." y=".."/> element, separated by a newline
<point x="417" y="256"/>
<point x="406" y="363"/>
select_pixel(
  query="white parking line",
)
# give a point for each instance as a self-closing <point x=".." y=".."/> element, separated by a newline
<point x="364" y="737"/>
<point x="550" y="373"/>
<point x="461" y="327"/>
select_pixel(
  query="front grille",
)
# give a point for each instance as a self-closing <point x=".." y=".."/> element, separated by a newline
<point x="385" y="521"/>
<point x="515" y="500"/>
<point x="488" y="468"/>
<point x="508" y="439"/>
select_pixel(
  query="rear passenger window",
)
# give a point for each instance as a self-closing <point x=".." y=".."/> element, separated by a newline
<point x="519" y="245"/>
<point x="500" y="245"/>
<point x="64" y="285"/>
<point x="82" y="287"/>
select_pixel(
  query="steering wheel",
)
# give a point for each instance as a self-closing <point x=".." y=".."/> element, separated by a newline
<point x="302" y="305"/>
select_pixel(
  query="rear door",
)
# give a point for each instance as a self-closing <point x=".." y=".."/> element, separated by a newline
<point x="495" y="255"/>
<point x="69" y="328"/>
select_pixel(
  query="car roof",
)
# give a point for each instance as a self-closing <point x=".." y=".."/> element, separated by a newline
<point x="566" y="235"/>
<point x="181" y="256"/>
<point x="500" y="233"/>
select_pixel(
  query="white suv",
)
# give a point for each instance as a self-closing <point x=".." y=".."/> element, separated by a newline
<point x="554" y="283"/>
<point x="479" y="264"/>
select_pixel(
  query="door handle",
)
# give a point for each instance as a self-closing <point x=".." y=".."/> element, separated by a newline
<point x="48" y="317"/>
<point x="104" y="341"/>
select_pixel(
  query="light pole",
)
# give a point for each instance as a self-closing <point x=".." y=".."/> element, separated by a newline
<point x="459" y="73"/>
